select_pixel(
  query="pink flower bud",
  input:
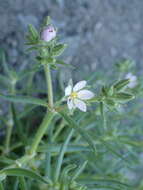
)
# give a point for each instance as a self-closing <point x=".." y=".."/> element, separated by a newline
<point x="48" y="33"/>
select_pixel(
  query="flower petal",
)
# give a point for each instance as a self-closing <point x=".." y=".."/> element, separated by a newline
<point x="70" y="104"/>
<point x="79" y="85"/>
<point x="133" y="80"/>
<point x="68" y="90"/>
<point x="85" y="94"/>
<point x="80" y="105"/>
<point x="48" y="33"/>
<point x="132" y="84"/>
<point x="128" y="75"/>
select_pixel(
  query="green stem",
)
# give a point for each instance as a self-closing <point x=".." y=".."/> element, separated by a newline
<point x="48" y="165"/>
<point x="48" y="156"/>
<point x="48" y="117"/>
<point x="102" y="109"/>
<point x="49" y="85"/>
<point x="9" y="125"/>
<point x="41" y="131"/>
<point x="1" y="186"/>
<point x="8" y="137"/>
<point x="60" y="127"/>
<point x="45" y="123"/>
<point x="23" y="185"/>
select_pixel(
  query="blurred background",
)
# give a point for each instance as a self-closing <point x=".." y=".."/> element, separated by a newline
<point x="98" y="33"/>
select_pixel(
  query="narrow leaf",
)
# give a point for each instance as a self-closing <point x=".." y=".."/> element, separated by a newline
<point x="79" y="171"/>
<point x="27" y="72"/>
<point x="33" y="31"/>
<point x="110" y="102"/>
<point x="25" y="173"/>
<point x="3" y="60"/>
<point x="114" y="152"/>
<point x="55" y="148"/>
<point x="121" y="84"/>
<point x="24" y="100"/>
<point x="58" y="50"/>
<point x="61" y="156"/>
<point x="81" y="131"/>
<point x="18" y="124"/>
<point x="112" y="183"/>
<point x="65" y="174"/>
<point x="123" y="97"/>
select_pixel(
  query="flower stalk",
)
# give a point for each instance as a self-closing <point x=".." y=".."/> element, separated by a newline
<point x="8" y="137"/>
<point x="49" y="85"/>
<point x="49" y="115"/>
<point x="102" y="110"/>
<point x="9" y="124"/>
<point x="41" y="131"/>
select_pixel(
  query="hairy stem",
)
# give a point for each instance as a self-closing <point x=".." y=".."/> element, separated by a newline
<point x="44" y="125"/>
<point x="49" y="85"/>
<point x="41" y="131"/>
<point x="49" y="115"/>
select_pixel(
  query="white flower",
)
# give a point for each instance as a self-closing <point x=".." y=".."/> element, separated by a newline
<point x="133" y="80"/>
<point x="76" y="96"/>
<point x="48" y="33"/>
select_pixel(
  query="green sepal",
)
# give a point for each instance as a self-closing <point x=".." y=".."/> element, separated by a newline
<point x="121" y="84"/>
<point x="104" y="91"/>
<point x="45" y="60"/>
<point x="32" y="36"/>
<point x="110" y="91"/>
<point x="33" y="31"/>
<point x="58" y="49"/>
<point x="123" y="97"/>
<point x="109" y="102"/>
<point x="47" y="21"/>
<point x="107" y="90"/>
<point x="33" y="48"/>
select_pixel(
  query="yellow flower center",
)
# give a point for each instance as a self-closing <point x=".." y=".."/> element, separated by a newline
<point x="73" y="95"/>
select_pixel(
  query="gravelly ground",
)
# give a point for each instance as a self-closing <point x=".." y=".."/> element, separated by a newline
<point x="98" y="32"/>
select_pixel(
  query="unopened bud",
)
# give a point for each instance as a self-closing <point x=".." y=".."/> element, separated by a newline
<point x="48" y="33"/>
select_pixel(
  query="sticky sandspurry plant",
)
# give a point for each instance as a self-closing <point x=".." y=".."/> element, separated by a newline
<point x="65" y="127"/>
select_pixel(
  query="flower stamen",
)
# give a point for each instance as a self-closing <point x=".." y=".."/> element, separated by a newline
<point x="74" y="95"/>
